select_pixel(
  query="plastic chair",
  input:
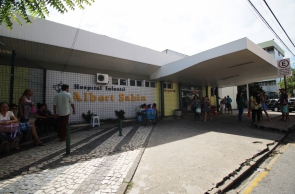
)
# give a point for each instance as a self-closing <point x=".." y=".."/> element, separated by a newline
<point x="94" y="121"/>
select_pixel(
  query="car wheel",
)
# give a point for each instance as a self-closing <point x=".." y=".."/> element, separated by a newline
<point x="276" y="109"/>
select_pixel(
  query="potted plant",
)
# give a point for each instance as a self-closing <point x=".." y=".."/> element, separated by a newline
<point x="177" y="112"/>
<point x="87" y="117"/>
<point x="120" y="115"/>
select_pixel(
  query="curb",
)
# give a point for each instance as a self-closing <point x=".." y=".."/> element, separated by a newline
<point x="247" y="166"/>
<point x="127" y="180"/>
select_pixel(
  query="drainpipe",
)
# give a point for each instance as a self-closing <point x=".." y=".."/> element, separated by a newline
<point x="162" y="98"/>
<point x="11" y="78"/>
<point x="180" y="95"/>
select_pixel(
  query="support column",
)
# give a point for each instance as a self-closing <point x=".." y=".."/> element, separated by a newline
<point x="248" y="95"/>
<point x="217" y="99"/>
<point x="162" y="98"/>
<point x="44" y="85"/>
<point x="11" y="77"/>
<point x="180" y="95"/>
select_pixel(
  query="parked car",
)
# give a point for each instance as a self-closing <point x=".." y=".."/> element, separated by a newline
<point x="291" y="103"/>
<point x="274" y="104"/>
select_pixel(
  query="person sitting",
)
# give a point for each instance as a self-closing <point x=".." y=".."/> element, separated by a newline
<point x="143" y="107"/>
<point x="41" y="116"/>
<point x="8" y="118"/>
<point x="27" y="126"/>
<point x="157" y="112"/>
<point x="52" y="120"/>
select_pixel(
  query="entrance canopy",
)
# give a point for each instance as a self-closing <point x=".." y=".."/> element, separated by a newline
<point x="232" y="64"/>
<point x="48" y="45"/>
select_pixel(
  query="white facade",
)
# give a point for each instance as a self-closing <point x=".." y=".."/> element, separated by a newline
<point x="231" y="92"/>
<point x="100" y="99"/>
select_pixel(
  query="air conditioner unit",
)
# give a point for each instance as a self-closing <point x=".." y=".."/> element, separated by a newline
<point x="102" y="78"/>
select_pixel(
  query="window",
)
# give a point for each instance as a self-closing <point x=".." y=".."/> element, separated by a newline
<point x="139" y="83"/>
<point x="168" y="85"/>
<point x="115" y="81"/>
<point x="153" y="84"/>
<point x="132" y="82"/>
<point x="270" y="50"/>
<point x="123" y="82"/>
<point x="150" y="84"/>
<point x="135" y="82"/>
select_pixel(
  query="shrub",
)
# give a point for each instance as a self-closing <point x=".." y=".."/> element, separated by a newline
<point x="120" y="114"/>
<point x="87" y="116"/>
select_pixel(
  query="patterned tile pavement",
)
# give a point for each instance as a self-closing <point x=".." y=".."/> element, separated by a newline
<point x="99" y="161"/>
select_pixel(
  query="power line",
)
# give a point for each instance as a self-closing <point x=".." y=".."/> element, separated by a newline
<point x="73" y="44"/>
<point x="278" y="22"/>
<point x="266" y="23"/>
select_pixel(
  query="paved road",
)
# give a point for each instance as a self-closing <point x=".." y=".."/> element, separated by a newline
<point x="186" y="156"/>
<point x="182" y="156"/>
<point x="276" y="175"/>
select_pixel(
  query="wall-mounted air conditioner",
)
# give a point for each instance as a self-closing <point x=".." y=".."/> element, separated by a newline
<point x="102" y="78"/>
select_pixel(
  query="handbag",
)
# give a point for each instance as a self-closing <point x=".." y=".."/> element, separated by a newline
<point x="11" y="128"/>
<point x="198" y="110"/>
<point x="33" y="110"/>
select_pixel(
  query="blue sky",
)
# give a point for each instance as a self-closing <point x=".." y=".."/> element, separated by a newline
<point x="187" y="26"/>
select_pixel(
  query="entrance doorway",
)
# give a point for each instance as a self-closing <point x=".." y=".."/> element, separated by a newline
<point x="188" y="94"/>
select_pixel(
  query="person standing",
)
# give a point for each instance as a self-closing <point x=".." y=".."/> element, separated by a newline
<point x="222" y="105"/>
<point x="263" y="105"/>
<point x="62" y="104"/>
<point x="196" y="107"/>
<point x="24" y="105"/>
<point x="207" y="108"/>
<point x="229" y="101"/>
<point x="241" y="104"/>
<point x="255" y="106"/>
<point x="184" y="105"/>
<point x="284" y="105"/>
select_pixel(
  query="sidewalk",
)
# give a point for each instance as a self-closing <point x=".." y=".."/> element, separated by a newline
<point x="182" y="156"/>
<point x="185" y="156"/>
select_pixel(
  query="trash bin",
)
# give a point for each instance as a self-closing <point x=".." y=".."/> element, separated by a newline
<point x="214" y="110"/>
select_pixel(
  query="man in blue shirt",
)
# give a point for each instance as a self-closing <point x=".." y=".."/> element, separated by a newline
<point x="62" y="104"/>
<point x="229" y="100"/>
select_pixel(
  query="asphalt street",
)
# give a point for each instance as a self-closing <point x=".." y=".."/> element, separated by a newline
<point x="277" y="174"/>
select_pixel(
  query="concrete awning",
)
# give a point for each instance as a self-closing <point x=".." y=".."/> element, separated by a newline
<point x="232" y="64"/>
<point x="53" y="46"/>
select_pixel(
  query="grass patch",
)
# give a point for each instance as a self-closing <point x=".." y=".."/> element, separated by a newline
<point x="129" y="186"/>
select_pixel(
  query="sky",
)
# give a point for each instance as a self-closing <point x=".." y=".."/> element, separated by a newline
<point x="187" y="26"/>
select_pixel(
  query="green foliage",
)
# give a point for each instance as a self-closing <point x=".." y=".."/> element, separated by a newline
<point x="290" y="81"/>
<point x="15" y="9"/>
<point x="254" y="87"/>
<point x="87" y="116"/>
<point x="120" y="114"/>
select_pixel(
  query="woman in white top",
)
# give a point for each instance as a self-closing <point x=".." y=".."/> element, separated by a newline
<point x="6" y="118"/>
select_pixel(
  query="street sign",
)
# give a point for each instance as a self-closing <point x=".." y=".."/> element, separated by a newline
<point x="284" y="67"/>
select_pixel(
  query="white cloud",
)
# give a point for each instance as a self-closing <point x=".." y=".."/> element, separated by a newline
<point x="187" y="26"/>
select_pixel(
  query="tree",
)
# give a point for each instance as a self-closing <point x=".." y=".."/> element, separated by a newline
<point x="254" y="87"/>
<point x="14" y="9"/>
<point x="290" y="81"/>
